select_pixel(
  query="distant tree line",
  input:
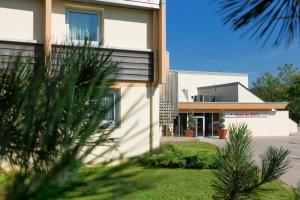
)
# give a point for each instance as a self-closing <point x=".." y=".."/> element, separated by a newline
<point x="283" y="86"/>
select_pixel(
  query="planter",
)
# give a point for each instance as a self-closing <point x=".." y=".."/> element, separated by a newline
<point x="222" y="133"/>
<point x="189" y="133"/>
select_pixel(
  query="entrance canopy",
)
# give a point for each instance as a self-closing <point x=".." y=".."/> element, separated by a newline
<point x="228" y="106"/>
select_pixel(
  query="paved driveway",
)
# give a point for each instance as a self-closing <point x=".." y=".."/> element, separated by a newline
<point x="292" y="177"/>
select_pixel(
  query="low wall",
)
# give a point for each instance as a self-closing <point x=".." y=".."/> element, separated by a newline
<point x="273" y="123"/>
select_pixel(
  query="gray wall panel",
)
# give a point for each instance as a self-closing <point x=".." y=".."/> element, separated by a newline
<point x="134" y="65"/>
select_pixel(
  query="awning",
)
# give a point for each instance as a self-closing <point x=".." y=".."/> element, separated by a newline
<point x="217" y="106"/>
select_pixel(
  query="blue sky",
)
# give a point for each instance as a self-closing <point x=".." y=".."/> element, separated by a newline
<point x="197" y="40"/>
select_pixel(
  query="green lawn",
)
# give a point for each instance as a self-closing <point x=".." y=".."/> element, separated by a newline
<point x="136" y="182"/>
<point x="131" y="182"/>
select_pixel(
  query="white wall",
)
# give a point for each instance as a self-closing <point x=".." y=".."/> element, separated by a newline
<point x="193" y="80"/>
<point x="21" y="20"/>
<point x="126" y="28"/>
<point x="276" y="123"/>
<point x="133" y="133"/>
<point x="245" y="96"/>
<point x="123" y="27"/>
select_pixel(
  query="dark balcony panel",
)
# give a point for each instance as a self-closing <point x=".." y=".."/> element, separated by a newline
<point x="9" y="49"/>
<point x="134" y="65"/>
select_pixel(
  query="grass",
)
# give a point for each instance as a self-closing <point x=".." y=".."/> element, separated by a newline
<point x="194" y="146"/>
<point x="132" y="181"/>
<point x="136" y="182"/>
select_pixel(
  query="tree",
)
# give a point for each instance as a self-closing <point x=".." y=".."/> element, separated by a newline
<point x="266" y="20"/>
<point x="239" y="177"/>
<point x="50" y="114"/>
<point x="282" y="87"/>
<point x="294" y="99"/>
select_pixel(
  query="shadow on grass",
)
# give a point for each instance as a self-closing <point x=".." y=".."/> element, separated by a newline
<point x="99" y="183"/>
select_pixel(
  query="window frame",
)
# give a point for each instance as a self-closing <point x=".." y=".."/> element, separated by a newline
<point x="100" y="29"/>
<point x="116" y="108"/>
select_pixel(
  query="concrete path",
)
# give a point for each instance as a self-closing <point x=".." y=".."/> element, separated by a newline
<point x="260" y="144"/>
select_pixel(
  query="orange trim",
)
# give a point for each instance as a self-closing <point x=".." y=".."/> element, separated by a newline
<point x="120" y="84"/>
<point x="163" y="58"/>
<point x="155" y="47"/>
<point x="205" y="107"/>
<point x="47" y="27"/>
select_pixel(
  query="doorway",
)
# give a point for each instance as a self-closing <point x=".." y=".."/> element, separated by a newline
<point x="200" y="126"/>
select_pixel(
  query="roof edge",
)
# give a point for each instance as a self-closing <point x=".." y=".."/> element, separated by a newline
<point x="210" y="73"/>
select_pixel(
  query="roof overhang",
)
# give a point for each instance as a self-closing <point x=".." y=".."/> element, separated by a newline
<point x="147" y="4"/>
<point x="217" y="106"/>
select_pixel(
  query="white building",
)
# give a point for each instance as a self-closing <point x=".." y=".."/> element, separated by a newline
<point x="135" y="30"/>
<point x="205" y="94"/>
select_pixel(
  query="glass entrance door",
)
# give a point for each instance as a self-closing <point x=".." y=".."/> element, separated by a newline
<point x="200" y="126"/>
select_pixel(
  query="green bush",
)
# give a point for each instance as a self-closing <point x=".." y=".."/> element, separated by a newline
<point x="179" y="156"/>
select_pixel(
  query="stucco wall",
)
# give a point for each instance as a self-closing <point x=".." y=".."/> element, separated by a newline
<point x="276" y="123"/>
<point x="21" y="20"/>
<point x="128" y="28"/>
<point x="123" y="27"/>
<point x="193" y="80"/>
<point x="134" y="130"/>
<point x="245" y="96"/>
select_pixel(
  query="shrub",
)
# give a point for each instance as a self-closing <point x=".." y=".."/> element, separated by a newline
<point x="176" y="156"/>
<point x="239" y="177"/>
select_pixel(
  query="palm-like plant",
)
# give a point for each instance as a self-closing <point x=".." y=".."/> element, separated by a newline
<point x="49" y="123"/>
<point x="239" y="177"/>
<point x="265" y="19"/>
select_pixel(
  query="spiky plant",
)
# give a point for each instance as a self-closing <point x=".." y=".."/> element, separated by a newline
<point x="50" y="116"/>
<point x="239" y="177"/>
<point x="268" y="20"/>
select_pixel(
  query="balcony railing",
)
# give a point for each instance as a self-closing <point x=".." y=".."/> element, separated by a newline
<point x="134" y="65"/>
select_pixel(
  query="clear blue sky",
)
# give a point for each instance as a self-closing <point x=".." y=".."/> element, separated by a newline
<point x="197" y="40"/>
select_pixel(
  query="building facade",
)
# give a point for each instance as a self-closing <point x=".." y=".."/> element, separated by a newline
<point x="135" y="30"/>
<point x="205" y="94"/>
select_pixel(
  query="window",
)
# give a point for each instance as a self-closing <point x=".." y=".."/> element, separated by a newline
<point x="111" y="102"/>
<point x="83" y="25"/>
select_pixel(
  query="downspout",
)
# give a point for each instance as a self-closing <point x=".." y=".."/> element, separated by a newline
<point x="154" y="83"/>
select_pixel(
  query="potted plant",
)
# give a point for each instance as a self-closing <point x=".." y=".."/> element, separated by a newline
<point x="191" y="126"/>
<point x="222" y="129"/>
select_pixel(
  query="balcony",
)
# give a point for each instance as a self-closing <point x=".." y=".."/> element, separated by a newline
<point x="134" y="65"/>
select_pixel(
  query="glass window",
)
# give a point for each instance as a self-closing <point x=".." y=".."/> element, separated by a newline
<point x="83" y="25"/>
<point x="111" y="104"/>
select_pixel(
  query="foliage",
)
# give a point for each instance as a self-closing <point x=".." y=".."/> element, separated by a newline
<point x="49" y="123"/>
<point x="141" y="183"/>
<point x="181" y="156"/>
<point x="191" y="121"/>
<point x="222" y="120"/>
<point x="296" y="194"/>
<point x="264" y="19"/>
<point x="239" y="177"/>
<point x="294" y="99"/>
<point x="282" y="87"/>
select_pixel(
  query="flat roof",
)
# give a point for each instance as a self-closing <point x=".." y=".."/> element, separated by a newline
<point x="230" y="106"/>
<point x="210" y="73"/>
